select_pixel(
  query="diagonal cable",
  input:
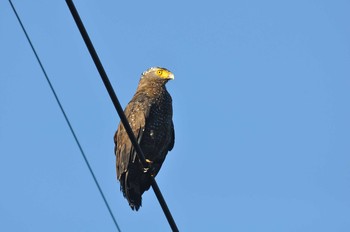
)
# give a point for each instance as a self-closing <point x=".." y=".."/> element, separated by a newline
<point x="66" y="118"/>
<point x="120" y="110"/>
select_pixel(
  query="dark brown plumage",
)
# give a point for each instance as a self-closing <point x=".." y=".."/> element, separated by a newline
<point x="150" y="116"/>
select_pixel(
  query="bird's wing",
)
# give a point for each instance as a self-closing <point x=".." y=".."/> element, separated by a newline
<point x="137" y="112"/>
<point x="172" y="141"/>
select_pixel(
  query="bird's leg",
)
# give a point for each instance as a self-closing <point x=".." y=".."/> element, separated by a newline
<point x="149" y="168"/>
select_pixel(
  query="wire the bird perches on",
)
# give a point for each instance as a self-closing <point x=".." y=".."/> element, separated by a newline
<point x="120" y="110"/>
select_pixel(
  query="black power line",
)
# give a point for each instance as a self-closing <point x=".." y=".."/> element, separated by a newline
<point x="66" y="118"/>
<point x="119" y="109"/>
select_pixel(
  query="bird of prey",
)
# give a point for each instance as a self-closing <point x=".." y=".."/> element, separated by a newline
<point x="150" y="116"/>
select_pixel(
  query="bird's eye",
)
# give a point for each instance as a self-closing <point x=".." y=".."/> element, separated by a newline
<point x="159" y="72"/>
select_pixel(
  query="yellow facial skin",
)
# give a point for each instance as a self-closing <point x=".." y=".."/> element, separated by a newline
<point x="165" y="74"/>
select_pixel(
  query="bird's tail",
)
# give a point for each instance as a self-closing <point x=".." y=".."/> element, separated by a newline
<point x="130" y="186"/>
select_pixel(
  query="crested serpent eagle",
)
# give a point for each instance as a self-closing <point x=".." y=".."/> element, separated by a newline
<point x="150" y="116"/>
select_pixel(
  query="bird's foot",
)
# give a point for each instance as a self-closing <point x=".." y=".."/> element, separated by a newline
<point x="149" y="169"/>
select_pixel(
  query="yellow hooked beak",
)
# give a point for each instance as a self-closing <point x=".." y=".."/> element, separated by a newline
<point x="165" y="74"/>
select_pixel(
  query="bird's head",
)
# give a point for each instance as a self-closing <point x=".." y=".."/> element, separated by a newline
<point x="157" y="73"/>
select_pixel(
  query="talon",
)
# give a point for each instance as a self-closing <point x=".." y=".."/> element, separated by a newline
<point x="149" y="168"/>
<point x="149" y="162"/>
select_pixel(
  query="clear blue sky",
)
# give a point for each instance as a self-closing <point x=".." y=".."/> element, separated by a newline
<point x="261" y="111"/>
